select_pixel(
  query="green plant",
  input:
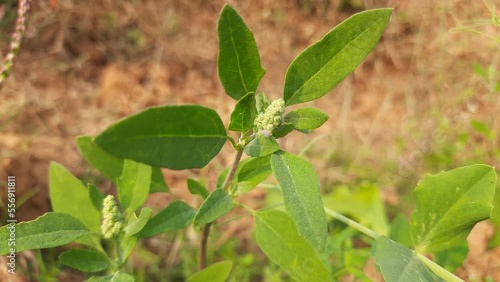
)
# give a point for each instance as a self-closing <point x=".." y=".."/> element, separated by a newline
<point x="132" y="151"/>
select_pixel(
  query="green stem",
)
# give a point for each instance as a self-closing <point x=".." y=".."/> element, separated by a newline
<point x="436" y="268"/>
<point x="232" y="170"/>
<point x="361" y="228"/>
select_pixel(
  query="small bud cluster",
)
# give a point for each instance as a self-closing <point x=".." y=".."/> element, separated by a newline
<point x="271" y="117"/>
<point x="112" y="221"/>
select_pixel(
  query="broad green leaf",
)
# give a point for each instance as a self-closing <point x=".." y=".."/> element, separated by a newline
<point x="282" y="130"/>
<point x="217" y="204"/>
<point x="111" y="166"/>
<point x="398" y="263"/>
<point x="238" y="63"/>
<point x="133" y="185"/>
<point x="217" y="272"/>
<point x="306" y="118"/>
<point x="449" y="204"/>
<point x="261" y="146"/>
<point x="115" y="277"/>
<point x="136" y="224"/>
<point x="176" y="216"/>
<point x="175" y="137"/>
<point x="251" y="172"/>
<point x="69" y="195"/>
<point x="320" y="67"/>
<point x="96" y="197"/>
<point x="53" y="229"/>
<point x="301" y="192"/>
<point x="197" y="188"/>
<point x="364" y="203"/>
<point x="244" y="113"/>
<point x="278" y="238"/>
<point x="84" y="260"/>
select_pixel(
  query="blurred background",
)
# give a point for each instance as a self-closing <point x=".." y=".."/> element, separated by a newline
<point x="426" y="99"/>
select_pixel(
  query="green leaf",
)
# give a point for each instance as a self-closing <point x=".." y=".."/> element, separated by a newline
<point x="84" y="260"/>
<point x="449" y="204"/>
<point x="244" y="114"/>
<point x="261" y="146"/>
<point x="217" y="204"/>
<point x="279" y="239"/>
<point x="320" y="67"/>
<point x="261" y="102"/>
<point x="197" y="188"/>
<point x="96" y="197"/>
<point x="252" y="172"/>
<point x="364" y="203"/>
<point x="136" y="224"/>
<point x="452" y="258"/>
<point x="302" y="197"/>
<point x="69" y="195"/>
<point x="127" y="245"/>
<point x="282" y="130"/>
<point x="306" y="118"/>
<point x="398" y="263"/>
<point x="112" y="166"/>
<point x="400" y="231"/>
<point x="116" y="277"/>
<point x="217" y="272"/>
<point x="175" y="137"/>
<point x="53" y="229"/>
<point x="238" y="62"/>
<point x="176" y="216"/>
<point x="133" y="185"/>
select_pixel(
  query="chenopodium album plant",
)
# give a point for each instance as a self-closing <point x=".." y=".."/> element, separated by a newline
<point x="132" y="151"/>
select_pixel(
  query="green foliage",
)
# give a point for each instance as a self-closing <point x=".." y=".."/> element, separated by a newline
<point x="175" y="137"/>
<point x="238" y="62"/>
<point x="320" y="67"/>
<point x="297" y="239"/>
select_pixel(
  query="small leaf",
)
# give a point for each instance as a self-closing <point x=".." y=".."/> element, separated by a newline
<point x="261" y="102"/>
<point x="449" y="204"/>
<point x="398" y="263"/>
<point x="217" y="272"/>
<point x="400" y="231"/>
<point x="238" y="63"/>
<point x="69" y="195"/>
<point x="85" y="260"/>
<point x="251" y="172"/>
<point x="96" y="197"/>
<point x="197" y="188"/>
<point x="112" y="166"/>
<point x="136" y="224"/>
<point x="217" y="204"/>
<point x="176" y="216"/>
<point x="301" y="191"/>
<point x="282" y="130"/>
<point x="452" y="258"/>
<point x="244" y="114"/>
<point x="175" y="137"/>
<point x="53" y="229"/>
<point x="133" y="185"/>
<point x="320" y="67"/>
<point x="278" y="238"/>
<point x="127" y="245"/>
<point x="306" y="118"/>
<point x="261" y="146"/>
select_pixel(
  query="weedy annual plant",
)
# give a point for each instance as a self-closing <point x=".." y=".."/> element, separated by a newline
<point x="132" y="151"/>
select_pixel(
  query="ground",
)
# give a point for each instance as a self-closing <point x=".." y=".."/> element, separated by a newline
<point x="422" y="101"/>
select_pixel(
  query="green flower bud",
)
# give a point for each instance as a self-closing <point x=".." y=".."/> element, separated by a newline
<point x="112" y="223"/>
<point x="271" y="117"/>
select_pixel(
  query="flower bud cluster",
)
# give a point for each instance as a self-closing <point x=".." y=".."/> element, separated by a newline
<point x="112" y="220"/>
<point x="271" y="117"/>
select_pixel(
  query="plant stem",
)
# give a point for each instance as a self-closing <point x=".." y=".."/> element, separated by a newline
<point x="232" y="170"/>
<point x="438" y="270"/>
<point x="206" y="229"/>
<point x="203" y="248"/>
<point x="361" y="228"/>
